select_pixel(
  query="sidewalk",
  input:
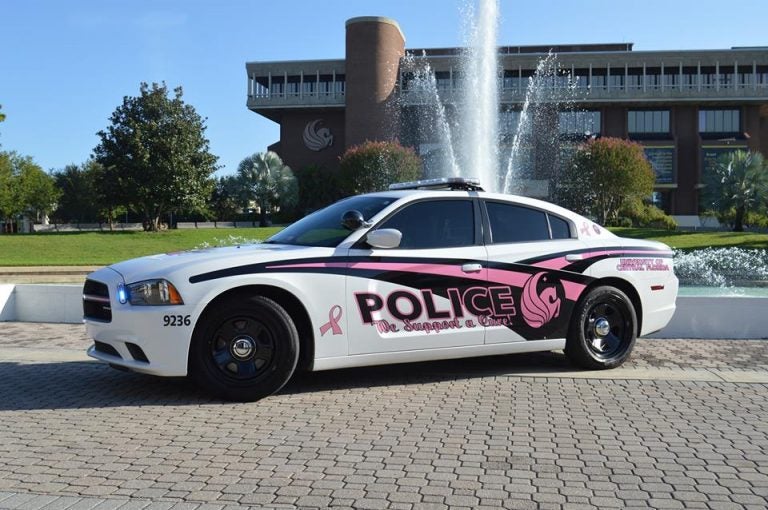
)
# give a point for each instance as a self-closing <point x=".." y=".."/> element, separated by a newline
<point x="45" y="274"/>
<point x="681" y="425"/>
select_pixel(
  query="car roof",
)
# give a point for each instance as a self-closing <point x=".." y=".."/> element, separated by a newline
<point x="414" y="194"/>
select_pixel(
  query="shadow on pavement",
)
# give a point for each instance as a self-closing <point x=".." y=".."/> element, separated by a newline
<point x="30" y="386"/>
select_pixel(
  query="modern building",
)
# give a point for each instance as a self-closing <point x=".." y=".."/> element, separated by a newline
<point x="686" y="107"/>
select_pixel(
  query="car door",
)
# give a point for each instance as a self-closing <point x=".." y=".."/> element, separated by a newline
<point x="419" y="295"/>
<point x="529" y="250"/>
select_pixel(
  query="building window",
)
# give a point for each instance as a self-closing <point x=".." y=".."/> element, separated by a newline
<point x="598" y="80"/>
<point x="719" y="121"/>
<point x="671" y="80"/>
<point x="443" y="80"/>
<point x="690" y="78"/>
<point x="581" y="78"/>
<point x="727" y="77"/>
<point x="653" y="78"/>
<point x="616" y="79"/>
<point x="648" y="121"/>
<point x="635" y="78"/>
<point x="708" y="77"/>
<point x="580" y="123"/>
<point x="508" y="121"/>
<point x="661" y="200"/>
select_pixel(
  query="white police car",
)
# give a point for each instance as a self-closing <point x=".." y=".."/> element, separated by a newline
<point x="428" y="270"/>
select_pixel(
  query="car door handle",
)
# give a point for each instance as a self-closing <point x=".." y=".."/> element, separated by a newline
<point x="472" y="268"/>
<point x="573" y="257"/>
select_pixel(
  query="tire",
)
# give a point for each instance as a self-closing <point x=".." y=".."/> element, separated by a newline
<point x="603" y="330"/>
<point x="244" y="349"/>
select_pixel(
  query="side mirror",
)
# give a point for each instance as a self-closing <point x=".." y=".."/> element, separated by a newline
<point x="353" y="220"/>
<point x="384" y="238"/>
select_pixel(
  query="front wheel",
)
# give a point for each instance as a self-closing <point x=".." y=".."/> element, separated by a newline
<point x="244" y="349"/>
<point x="603" y="330"/>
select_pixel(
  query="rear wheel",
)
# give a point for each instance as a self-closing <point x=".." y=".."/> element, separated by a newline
<point x="244" y="349"/>
<point x="603" y="330"/>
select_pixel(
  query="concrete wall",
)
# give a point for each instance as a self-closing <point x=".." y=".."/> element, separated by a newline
<point x="41" y="303"/>
<point x="718" y="317"/>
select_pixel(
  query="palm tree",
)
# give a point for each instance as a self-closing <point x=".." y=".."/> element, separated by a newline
<point x="743" y="182"/>
<point x="268" y="181"/>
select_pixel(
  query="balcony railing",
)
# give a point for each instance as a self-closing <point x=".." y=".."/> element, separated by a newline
<point x="606" y="93"/>
<point x="282" y="99"/>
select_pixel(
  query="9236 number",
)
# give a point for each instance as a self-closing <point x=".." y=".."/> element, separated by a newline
<point x="176" y="320"/>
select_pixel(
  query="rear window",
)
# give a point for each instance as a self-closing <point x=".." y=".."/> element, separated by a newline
<point x="514" y="224"/>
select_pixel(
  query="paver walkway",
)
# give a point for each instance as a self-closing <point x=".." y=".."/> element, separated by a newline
<point x="522" y="431"/>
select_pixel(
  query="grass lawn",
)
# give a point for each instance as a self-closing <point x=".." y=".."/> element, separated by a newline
<point x="102" y="248"/>
<point x="686" y="240"/>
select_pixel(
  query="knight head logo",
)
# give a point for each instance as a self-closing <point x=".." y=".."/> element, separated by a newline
<point x="540" y="300"/>
<point x="317" y="139"/>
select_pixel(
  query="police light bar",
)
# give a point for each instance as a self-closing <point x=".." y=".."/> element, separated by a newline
<point x="451" y="183"/>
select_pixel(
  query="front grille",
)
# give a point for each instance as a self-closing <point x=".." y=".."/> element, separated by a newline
<point x="106" y="349"/>
<point x="96" y="304"/>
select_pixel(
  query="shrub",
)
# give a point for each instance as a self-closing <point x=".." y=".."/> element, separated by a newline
<point x="373" y="166"/>
<point x="603" y="175"/>
<point x="641" y="214"/>
<point x="318" y="187"/>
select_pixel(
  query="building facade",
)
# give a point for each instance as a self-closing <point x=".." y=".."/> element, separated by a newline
<point x="685" y="107"/>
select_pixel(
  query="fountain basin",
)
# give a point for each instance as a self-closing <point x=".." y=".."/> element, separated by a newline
<point x="717" y="313"/>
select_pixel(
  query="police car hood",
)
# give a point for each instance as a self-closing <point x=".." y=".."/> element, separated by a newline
<point x="185" y="264"/>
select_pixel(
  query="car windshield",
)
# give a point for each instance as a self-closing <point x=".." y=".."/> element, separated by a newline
<point x="323" y="228"/>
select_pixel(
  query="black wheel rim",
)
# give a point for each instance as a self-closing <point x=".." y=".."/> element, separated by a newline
<point x="242" y="348"/>
<point x="608" y="328"/>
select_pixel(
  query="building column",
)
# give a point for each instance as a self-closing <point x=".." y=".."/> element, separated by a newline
<point x="688" y="164"/>
<point x="374" y="47"/>
<point x="752" y="126"/>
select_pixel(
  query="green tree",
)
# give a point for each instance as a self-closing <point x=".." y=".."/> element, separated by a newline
<point x="605" y="174"/>
<point x="266" y="180"/>
<point x="318" y="187"/>
<point x="7" y="196"/>
<point x="227" y="198"/>
<point x="155" y="155"/>
<point x="2" y="117"/>
<point x="78" y="202"/>
<point x="25" y="188"/>
<point x="738" y="186"/>
<point x="373" y="166"/>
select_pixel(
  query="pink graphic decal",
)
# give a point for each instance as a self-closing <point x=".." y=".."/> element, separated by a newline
<point x="644" y="264"/>
<point x="334" y="314"/>
<point x="585" y="229"/>
<point x="539" y="309"/>
<point x="561" y="262"/>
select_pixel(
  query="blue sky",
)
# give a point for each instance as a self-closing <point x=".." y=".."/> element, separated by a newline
<point x="65" y="66"/>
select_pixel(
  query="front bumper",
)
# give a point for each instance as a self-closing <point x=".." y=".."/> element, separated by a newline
<point x="136" y="337"/>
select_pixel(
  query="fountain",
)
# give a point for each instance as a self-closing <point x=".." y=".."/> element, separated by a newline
<point x="468" y="131"/>
<point x="459" y="131"/>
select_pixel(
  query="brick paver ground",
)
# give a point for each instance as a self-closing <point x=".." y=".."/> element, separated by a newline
<point x="457" y="434"/>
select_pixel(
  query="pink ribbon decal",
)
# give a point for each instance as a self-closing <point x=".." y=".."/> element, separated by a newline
<point x="333" y="321"/>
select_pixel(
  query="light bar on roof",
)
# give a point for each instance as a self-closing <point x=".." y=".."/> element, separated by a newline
<point x="451" y="183"/>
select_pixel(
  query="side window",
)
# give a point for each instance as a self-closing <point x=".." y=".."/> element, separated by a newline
<point x="514" y="223"/>
<point x="560" y="228"/>
<point x="435" y="224"/>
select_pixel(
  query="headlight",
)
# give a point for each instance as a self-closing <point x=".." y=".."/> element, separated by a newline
<point x="153" y="292"/>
